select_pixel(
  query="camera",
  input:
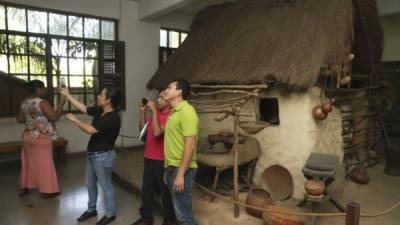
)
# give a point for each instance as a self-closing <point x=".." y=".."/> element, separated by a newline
<point x="62" y="82"/>
<point x="144" y="101"/>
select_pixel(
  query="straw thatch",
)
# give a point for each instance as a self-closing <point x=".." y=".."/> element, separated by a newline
<point x="250" y="41"/>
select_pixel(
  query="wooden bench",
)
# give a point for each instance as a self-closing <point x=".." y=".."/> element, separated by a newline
<point x="59" y="147"/>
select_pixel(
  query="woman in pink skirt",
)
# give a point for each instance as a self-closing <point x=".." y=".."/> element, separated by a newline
<point x="37" y="166"/>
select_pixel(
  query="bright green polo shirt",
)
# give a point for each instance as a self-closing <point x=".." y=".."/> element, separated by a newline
<point x="182" y="122"/>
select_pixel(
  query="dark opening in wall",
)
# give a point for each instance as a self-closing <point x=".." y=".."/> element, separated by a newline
<point x="269" y="110"/>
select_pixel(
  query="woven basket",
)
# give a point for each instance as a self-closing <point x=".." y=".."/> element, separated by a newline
<point x="277" y="218"/>
<point x="253" y="127"/>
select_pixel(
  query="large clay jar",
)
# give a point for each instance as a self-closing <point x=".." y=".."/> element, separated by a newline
<point x="327" y="107"/>
<point x="318" y="114"/>
<point x="259" y="198"/>
<point x="360" y="176"/>
<point x="314" y="187"/>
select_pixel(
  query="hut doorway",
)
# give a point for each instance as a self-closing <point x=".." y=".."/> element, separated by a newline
<point x="269" y="110"/>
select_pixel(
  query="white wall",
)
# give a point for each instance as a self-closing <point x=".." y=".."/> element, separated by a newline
<point x="391" y="32"/>
<point x="142" y="41"/>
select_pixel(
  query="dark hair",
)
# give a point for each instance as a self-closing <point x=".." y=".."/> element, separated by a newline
<point x="33" y="85"/>
<point x="114" y="94"/>
<point x="183" y="85"/>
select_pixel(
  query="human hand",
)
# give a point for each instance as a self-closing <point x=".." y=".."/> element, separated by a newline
<point x="71" y="117"/>
<point x="165" y="178"/>
<point x="64" y="91"/>
<point x="179" y="184"/>
<point x="152" y="105"/>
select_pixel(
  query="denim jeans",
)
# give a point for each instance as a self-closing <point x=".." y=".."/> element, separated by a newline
<point x="153" y="183"/>
<point x="98" y="169"/>
<point x="182" y="201"/>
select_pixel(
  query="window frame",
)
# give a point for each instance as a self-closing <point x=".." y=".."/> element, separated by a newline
<point x="48" y="57"/>
<point x="167" y="49"/>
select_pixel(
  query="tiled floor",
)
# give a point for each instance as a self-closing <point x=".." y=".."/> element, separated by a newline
<point x="63" y="209"/>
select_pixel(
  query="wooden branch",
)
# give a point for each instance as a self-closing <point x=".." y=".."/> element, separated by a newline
<point x="247" y="93"/>
<point x="219" y="101"/>
<point x="236" y="161"/>
<point x="256" y="86"/>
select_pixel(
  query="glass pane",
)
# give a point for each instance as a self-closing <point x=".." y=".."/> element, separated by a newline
<point x="57" y="24"/>
<point x="60" y="65"/>
<point x="91" y="67"/>
<point x="75" y="26"/>
<point x="56" y="80"/>
<point x="183" y="37"/>
<point x="41" y="78"/>
<point x="3" y="64"/>
<point x="3" y="43"/>
<point x="75" y="66"/>
<point x="76" y="84"/>
<point x="92" y="84"/>
<point x="37" y="65"/>
<point x="91" y="50"/>
<point x="90" y="99"/>
<point x="18" y="64"/>
<point x="59" y="47"/>
<point x="37" y="46"/>
<point x="173" y="39"/>
<point x="17" y="44"/>
<point x="37" y="21"/>
<point x="22" y="77"/>
<point x="79" y="97"/>
<point x="16" y="19"/>
<point x="163" y="38"/>
<point x="107" y="30"/>
<point x="76" y="48"/>
<point x="92" y="28"/>
<point x="2" y="17"/>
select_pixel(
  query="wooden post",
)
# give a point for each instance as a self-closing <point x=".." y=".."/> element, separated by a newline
<point x="236" y="111"/>
<point x="353" y="214"/>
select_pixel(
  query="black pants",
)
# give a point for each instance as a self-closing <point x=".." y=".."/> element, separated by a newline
<point x="153" y="182"/>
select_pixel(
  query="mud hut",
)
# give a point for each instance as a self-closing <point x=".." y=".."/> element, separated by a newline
<point x="276" y="60"/>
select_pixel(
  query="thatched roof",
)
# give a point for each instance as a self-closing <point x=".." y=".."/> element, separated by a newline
<point x="250" y="41"/>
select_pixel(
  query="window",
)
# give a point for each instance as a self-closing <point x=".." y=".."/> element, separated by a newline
<point x="170" y="40"/>
<point x="269" y="110"/>
<point x="44" y="44"/>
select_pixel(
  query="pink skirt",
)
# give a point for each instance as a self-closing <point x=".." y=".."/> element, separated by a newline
<point x="37" y="166"/>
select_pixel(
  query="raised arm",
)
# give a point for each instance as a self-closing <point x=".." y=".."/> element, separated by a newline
<point x="85" y="127"/>
<point x="49" y="112"/>
<point x="82" y="107"/>
<point x="142" y="116"/>
<point x="158" y="130"/>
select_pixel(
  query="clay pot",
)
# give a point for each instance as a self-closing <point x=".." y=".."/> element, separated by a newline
<point x="314" y="187"/>
<point x="259" y="198"/>
<point x="360" y="176"/>
<point x="318" y="113"/>
<point x="327" y="107"/>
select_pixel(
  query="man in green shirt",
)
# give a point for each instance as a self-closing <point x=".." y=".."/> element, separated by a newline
<point x="180" y="141"/>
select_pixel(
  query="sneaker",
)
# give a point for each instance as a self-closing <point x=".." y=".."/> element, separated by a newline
<point x="105" y="220"/>
<point x="86" y="215"/>
<point x="141" y="221"/>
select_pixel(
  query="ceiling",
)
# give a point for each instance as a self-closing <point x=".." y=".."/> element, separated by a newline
<point x="198" y="5"/>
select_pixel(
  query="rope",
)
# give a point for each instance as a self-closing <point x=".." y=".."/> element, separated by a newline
<point x="282" y="211"/>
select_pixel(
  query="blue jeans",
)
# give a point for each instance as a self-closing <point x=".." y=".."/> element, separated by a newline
<point x="182" y="201"/>
<point x="98" y="169"/>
